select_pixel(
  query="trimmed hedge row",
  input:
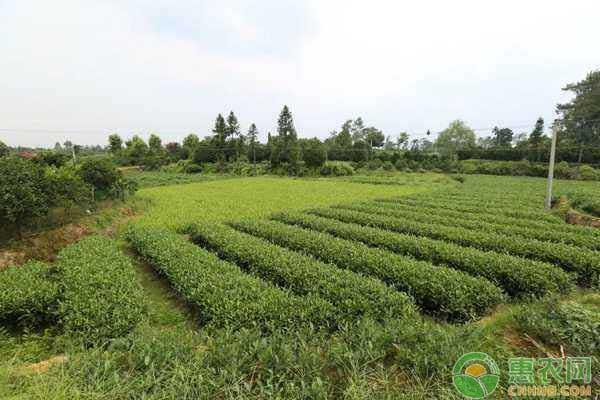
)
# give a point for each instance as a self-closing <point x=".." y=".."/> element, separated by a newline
<point x="101" y="298"/>
<point x="438" y="290"/>
<point x="462" y="220"/>
<point x="529" y="203"/>
<point x="580" y="231"/>
<point x="481" y="208"/>
<point x="586" y="263"/>
<point x="224" y="295"/>
<point x="353" y="295"/>
<point x="533" y="207"/>
<point x="27" y="293"/>
<point x="517" y="276"/>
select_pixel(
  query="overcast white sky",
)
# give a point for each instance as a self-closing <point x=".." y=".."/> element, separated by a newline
<point x="81" y="69"/>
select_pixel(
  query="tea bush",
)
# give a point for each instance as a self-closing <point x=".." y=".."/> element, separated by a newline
<point x="438" y="290"/>
<point x="517" y="276"/>
<point x="353" y="295"/>
<point x="585" y="263"/>
<point x="462" y="220"/>
<point x="223" y="295"/>
<point x="28" y="293"/>
<point x="101" y="298"/>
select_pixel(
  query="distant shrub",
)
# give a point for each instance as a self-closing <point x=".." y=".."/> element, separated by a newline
<point x="459" y="178"/>
<point x="374" y="164"/>
<point x="336" y="169"/>
<point x="401" y="164"/>
<point x="588" y="173"/>
<point x="193" y="169"/>
<point x="388" y="166"/>
<point x="562" y="170"/>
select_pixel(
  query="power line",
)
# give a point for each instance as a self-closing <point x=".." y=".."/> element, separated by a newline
<point x="191" y="130"/>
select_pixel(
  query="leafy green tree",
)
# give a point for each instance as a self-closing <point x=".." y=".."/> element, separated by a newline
<point x="155" y="144"/>
<point x="115" y="143"/>
<point x="68" y="189"/>
<point x="356" y="128"/>
<point x="190" y="142"/>
<point x="402" y="141"/>
<point x="24" y="190"/>
<point x="502" y="137"/>
<point x="99" y="173"/>
<point x="580" y="117"/>
<point x="205" y="152"/>
<point x="313" y="152"/>
<point x="373" y="136"/>
<point x="136" y="150"/>
<point x="4" y="150"/>
<point x="175" y="151"/>
<point x="458" y="136"/>
<point x="360" y="151"/>
<point x="340" y="144"/>
<point x="486" y="142"/>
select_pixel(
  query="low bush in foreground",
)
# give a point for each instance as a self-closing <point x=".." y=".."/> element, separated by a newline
<point x="438" y="290"/>
<point x="101" y="298"/>
<point x="353" y="295"/>
<point x="572" y="323"/>
<point x="221" y="292"/>
<point x="28" y="293"/>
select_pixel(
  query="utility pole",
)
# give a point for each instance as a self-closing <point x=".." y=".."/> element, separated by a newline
<point x="74" y="158"/>
<point x="254" y="157"/>
<point x="551" y="167"/>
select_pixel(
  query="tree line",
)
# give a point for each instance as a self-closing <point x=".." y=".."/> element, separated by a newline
<point x="578" y="126"/>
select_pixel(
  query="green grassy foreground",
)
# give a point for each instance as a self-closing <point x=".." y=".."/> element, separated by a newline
<point x="174" y="206"/>
<point x="173" y="355"/>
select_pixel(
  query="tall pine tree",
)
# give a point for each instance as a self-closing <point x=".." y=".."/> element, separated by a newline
<point x="580" y="117"/>
<point x="220" y="137"/>
<point x="536" y="137"/>
<point x="287" y="140"/>
<point x="252" y="142"/>
<point x="234" y="137"/>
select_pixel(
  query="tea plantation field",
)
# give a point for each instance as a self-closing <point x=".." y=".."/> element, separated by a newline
<point x="305" y="289"/>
